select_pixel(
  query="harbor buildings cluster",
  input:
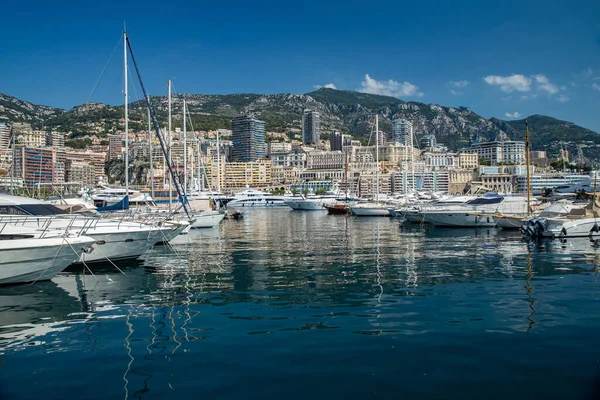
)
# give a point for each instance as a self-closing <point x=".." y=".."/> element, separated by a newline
<point x="248" y="155"/>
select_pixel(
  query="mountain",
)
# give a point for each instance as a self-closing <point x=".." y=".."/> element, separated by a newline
<point x="23" y="111"/>
<point x="346" y="111"/>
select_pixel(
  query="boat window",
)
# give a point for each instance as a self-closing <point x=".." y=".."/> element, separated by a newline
<point x="482" y="201"/>
<point x="12" y="237"/>
<point x="40" y="209"/>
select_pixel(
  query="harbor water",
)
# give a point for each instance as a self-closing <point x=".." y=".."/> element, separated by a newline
<point x="297" y="305"/>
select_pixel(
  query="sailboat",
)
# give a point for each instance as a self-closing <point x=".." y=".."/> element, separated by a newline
<point x="374" y="209"/>
<point x="113" y="199"/>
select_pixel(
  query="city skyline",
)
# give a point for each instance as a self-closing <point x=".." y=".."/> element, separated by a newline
<point x="506" y="60"/>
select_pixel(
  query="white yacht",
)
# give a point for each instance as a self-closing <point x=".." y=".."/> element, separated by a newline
<point x="116" y="239"/>
<point x="477" y="212"/>
<point x="255" y="198"/>
<point x="106" y="196"/>
<point x="579" y="222"/>
<point x="370" y="210"/>
<point x="413" y="212"/>
<point x="312" y="202"/>
<point x="28" y="254"/>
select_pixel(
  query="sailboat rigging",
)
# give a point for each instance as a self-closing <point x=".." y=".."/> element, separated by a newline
<point x="160" y="136"/>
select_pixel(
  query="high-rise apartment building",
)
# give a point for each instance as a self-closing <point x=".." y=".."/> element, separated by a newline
<point x="115" y="146"/>
<point x="402" y="131"/>
<point x="248" y="136"/>
<point x="335" y="141"/>
<point x="311" y="126"/>
<point x="5" y="132"/>
<point x="39" y="166"/>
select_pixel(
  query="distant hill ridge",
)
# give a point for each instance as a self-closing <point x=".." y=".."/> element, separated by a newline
<point x="346" y="111"/>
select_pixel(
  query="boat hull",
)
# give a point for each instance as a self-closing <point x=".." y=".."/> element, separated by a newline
<point x="209" y="219"/>
<point x="584" y="227"/>
<point x="459" y="219"/>
<point x="370" y="212"/>
<point x="41" y="260"/>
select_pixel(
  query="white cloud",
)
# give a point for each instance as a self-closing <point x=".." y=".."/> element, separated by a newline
<point x="516" y="114"/>
<point x="529" y="96"/>
<point x="563" y="98"/>
<point x="327" y="86"/>
<point x="455" y="93"/>
<point x="544" y="84"/>
<point x="509" y="84"/>
<point x="389" y="88"/>
<point x="595" y="86"/>
<point x="460" y="84"/>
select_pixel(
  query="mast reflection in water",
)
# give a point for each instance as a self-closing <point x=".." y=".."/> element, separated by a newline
<point x="293" y="305"/>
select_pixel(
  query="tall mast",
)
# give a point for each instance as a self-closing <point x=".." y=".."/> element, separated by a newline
<point x="169" y="152"/>
<point x="527" y="166"/>
<point x="377" y="157"/>
<point x="218" y="164"/>
<point x="346" y="174"/>
<point x="184" y="150"/>
<point x="151" y="155"/>
<point x="126" y="114"/>
<point x="412" y="158"/>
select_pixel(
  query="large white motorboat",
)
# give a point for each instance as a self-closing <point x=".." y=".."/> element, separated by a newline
<point x="312" y="202"/>
<point x="106" y="196"/>
<point x="477" y="212"/>
<point x="579" y="222"/>
<point x="28" y="254"/>
<point x="255" y="198"/>
<point x="413" y="212"/>
<point x="116" y="239"/>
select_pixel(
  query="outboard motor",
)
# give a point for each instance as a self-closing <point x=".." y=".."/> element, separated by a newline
<point x="534" y="227"/>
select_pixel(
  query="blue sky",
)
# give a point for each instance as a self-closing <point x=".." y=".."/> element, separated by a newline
<point x="503" y="58"/>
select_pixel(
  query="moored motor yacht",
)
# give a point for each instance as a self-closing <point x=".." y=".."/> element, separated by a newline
<point x="116" y="239"/>
<point x="28" y="254"/>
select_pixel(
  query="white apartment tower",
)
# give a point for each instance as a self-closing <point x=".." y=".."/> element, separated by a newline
<point x="311" y="125"/>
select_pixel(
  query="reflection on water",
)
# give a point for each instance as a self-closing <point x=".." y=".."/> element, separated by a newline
<point x="256" y="307"/>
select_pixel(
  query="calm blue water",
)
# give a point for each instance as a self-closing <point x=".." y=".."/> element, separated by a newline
<point x="299" y="305"/>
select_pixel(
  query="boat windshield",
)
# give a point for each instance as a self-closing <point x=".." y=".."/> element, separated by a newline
<point x="482" y="201"/>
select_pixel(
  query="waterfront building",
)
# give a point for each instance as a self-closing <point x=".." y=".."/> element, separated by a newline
<point x="402" y="131"/>
<point x="468" y="161"/>
<point x="325" y="160"/>
<point x="279" y="147"/>
<point x="282" y="175"/>
<point x="39" y="166"/>
<point x="539" y="158"/>
<point x="80" y="172"/>
<point x="31" y="138"/>
<point x="236" y="175"/>
<point x="248" y="136"/>
<point x="96" y="160"/>
<point x="321" y="174"/>
<point x="435" y="181"/>
<point x="509" y="151"/>
<point x="499" y="183"/>
<point x="311" y="125"/>
<point x="296" y="159"/>
<point x="55" y="139"/>
<point x="115" y="146"/>
<point x="438" y="160"/>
